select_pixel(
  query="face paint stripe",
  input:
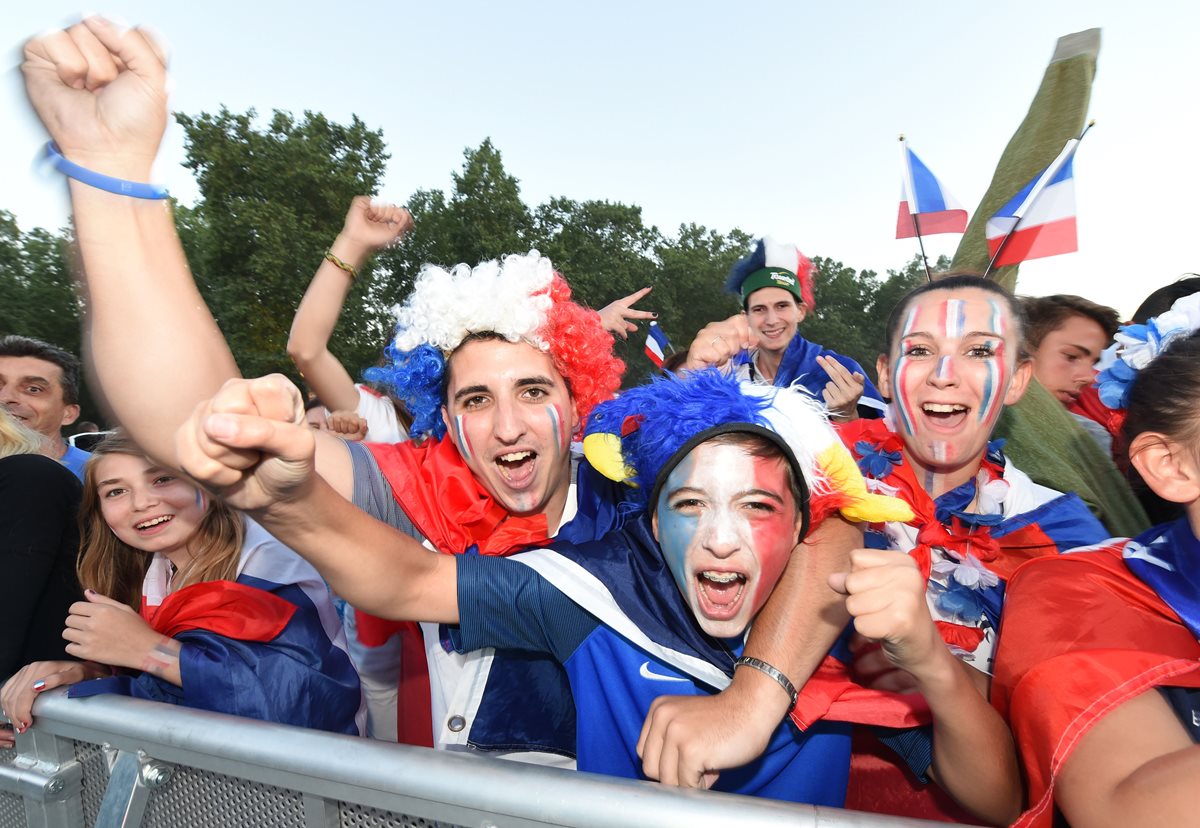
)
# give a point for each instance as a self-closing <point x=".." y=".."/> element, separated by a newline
<point x="943" y="368"/>
<point x="910" y="321"/>
<point x="989" y="384"/>
<point x="954" y="318"/>
<point x="460" y="434"/>
<point x="939" y="451"/>
<point x="556" y="423"/>
<point x="899" y="377"/>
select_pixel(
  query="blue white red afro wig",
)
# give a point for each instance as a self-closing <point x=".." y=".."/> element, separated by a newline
<point x="640" y="436"/>
<point x="520" y="299"/>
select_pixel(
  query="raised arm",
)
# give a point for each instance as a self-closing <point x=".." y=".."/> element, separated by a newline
<point x="152" y="348"/>
<point x="250" y="444"/>
<point x="686" y="740"/>
<point x="368" y="229"/>
<point x="974" y="759"/>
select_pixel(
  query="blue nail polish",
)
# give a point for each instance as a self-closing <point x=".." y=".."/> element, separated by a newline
<point x="40" y="684"/>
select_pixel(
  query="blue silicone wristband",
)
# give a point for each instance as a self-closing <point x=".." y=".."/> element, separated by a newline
<point x="100" y="181"/>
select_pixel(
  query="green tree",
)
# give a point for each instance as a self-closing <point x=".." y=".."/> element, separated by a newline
<point x="489" y="217"/>
<point x="482" y="218"/>
<point x="853" y="307"/>
<point x="37" y="292"/>
<point x="689" y="291"/>
<point x="843" y="321"/>
<point x="271" y="201"/>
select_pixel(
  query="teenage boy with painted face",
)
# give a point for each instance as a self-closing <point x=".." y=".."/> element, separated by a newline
<point x="504" y="453"/>
<point x="729" y="479"/>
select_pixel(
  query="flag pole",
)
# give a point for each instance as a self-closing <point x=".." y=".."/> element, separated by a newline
<point x="1017" y="224"/>
<point x="908" y="186"/>
<point x="924" y="258"/>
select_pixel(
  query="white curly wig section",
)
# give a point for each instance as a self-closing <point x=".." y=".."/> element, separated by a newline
<point x="510" y="297"/>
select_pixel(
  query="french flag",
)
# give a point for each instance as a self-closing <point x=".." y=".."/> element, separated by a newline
<point x="922" y="194"/>
<point x="1039" y="221"/>
<point x="657" y="344"/>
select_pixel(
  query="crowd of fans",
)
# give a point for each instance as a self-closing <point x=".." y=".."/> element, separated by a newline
<point x="759" y="572"/>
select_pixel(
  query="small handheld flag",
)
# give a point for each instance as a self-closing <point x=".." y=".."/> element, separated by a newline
<point x="1038" y="221"/>
<point x="921" y="194"/>
<point x="657" y="344"/>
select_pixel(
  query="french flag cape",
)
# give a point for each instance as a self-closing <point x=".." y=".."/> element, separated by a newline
<point x="1042" y="213"/>
<point x="1033" y="523"/>
<point x="657" y="344"/>
<point x="623" y="580"/>
<point x="446" y="503"/>
<point x="1087" y="631"/>
<point x="267" y="646"/>
<point x="921" y="194"/>
<point x="800" y="367"/>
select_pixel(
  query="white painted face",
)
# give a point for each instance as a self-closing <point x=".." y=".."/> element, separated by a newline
<point x="951" y="370"/>
<point x="726" y="521"/>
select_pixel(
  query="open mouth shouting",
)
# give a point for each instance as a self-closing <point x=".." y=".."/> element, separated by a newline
<point x="945" y="417"/>
<point x="517" y="468"/>
<point x="720" y="593"/>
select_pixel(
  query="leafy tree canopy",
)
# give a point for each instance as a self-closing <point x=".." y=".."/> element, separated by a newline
<point x="273" y="195"/>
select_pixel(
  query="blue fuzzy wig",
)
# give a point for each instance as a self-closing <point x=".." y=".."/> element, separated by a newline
<point x="742" y="268"/>
<point x="415" y="377"/>
<point x="654" y="421"/>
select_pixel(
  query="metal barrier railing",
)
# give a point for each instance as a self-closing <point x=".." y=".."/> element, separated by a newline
<point x="115" y="761"/>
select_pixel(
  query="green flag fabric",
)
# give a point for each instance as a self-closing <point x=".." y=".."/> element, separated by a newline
<point x="1057" y="114"/>
<point x="1044" y="440"/>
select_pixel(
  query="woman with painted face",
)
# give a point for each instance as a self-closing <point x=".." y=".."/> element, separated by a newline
<point x="189" y="603"/>
<point x="955" y="360"/>
<point x="1099" y="664"/>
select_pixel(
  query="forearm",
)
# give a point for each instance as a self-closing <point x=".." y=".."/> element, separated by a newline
<point x="374" y="567"/>
<point x="1161" y="792"/>
<point x="803" y="617"/>
<point x="315" y="320"/>
<point x="161" y="660"/>
<point x="151" y="345"/>
<point x="974" y="759"/>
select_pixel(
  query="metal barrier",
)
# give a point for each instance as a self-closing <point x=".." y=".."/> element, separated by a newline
<point x="114" y="761"/>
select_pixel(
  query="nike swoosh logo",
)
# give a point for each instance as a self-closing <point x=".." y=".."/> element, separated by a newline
<point x="645" y="672"/>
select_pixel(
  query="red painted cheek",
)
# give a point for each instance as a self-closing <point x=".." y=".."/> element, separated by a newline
<point x="772" y="536"/>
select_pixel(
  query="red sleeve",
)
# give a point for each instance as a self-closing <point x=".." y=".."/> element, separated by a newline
<point x="1081" y="635"/>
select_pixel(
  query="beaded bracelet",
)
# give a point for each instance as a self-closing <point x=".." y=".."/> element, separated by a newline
<point x="770" y="672"/>
<point x="100" y="181"/>
<point x="336" y="262"/>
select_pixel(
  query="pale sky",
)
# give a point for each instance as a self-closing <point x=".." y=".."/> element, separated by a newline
<point x="778" y="118"/>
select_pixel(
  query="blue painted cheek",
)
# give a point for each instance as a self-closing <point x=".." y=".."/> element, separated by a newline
<point x="675" y="534"/>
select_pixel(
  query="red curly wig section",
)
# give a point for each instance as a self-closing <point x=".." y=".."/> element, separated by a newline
<point x="582" y="350"/>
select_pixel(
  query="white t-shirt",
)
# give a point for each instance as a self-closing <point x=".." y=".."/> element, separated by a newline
<point x="382" y="424"/>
